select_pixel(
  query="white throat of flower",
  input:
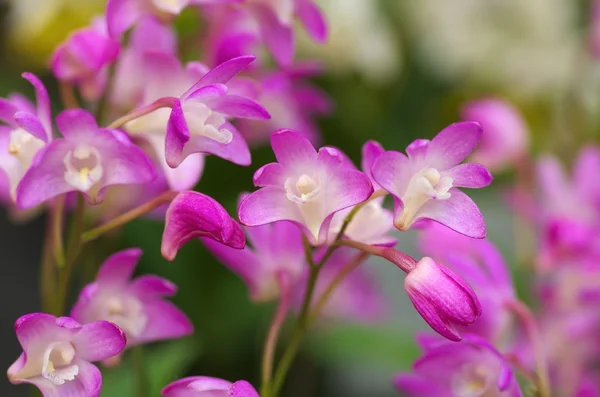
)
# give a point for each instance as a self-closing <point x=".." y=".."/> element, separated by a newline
<point x="127" y="312"/>
<point x="473" y="380"/>
<point x="23" y="146"/>
<point x="169" y="6"/>
<point x="83" y="168"/>
<point x="425" y="185"/>
<point x="57" y="364"/>
<point x="203" y="121"/>
<point x="305" y="190"/>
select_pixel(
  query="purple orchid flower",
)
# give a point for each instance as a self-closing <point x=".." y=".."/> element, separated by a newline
<point x="505" y="136"/>
<point x="481" y="264"/>
<point x="292" y="104"/>
<point x="192" y="215"/>
<point x="57" y="354"/>
<point x="424" y="184"/>
<point x="28" y="129"/>
<point x="203" y="386"/>
<point x="87" y="160"/>
<point x="123" y="14"/>
<point x="275" y="262"/>
<point x="275" y="22"/>
<point x="472" y="367"/>
<point x="305" y="186"/>
<point x="372" y="223"/>
<point x="137" y="306"/>
<point x="198" y="120"/>
<point x="83" y="59"/>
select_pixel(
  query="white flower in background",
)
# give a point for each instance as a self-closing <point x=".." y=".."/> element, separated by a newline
<point x="525" y="46"/>
<point x="361" y="39"/>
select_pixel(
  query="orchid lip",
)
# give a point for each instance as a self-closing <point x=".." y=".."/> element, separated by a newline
<point x="83" y="167"/>
<point x="302" y="189"/>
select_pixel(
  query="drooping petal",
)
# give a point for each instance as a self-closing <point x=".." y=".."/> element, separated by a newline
<point x="279" y="38"/>
<point x="238" y="106"/>
<point x="193" y="214"/>
<point x="313" y="19"/>
<point x="269" y="174"/>
<point x="43" y="103"/>
<point x="119" y="267"/>
<point x="470" y="175"/>
<point x="269" y="204"/>
<point x="453" y="144"/>
<point x="164" y="321"/>
<point x="458" y="212"/>
<point x="98" y="341"/>
<point x="224" y="72"/>
<point x="31" y="124"/>
<point x="292" y="150"/>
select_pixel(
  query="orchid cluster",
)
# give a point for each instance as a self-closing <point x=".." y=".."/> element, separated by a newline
<point x="132" y="139"/>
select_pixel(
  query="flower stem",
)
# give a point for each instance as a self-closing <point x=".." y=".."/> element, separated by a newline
<point x="273" y="335"/>
<point x="74" y="247"/>
<point x="526" y="316"/>
<point x="127" y="217"/>
<point x="141" y="380"/>
<point x="346" y="270"/>
<point x="57" y="215"/>
<point x="67" y="95"/>
<point x="166" y="102"/>
<point x="47" y="272"/>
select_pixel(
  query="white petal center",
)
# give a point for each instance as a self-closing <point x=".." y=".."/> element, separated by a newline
<point x="203" y="121"/>
<point x="57" y="365"/>
<point x="83" y="168"/>
<point x="473" y="381"/>
<point x="23" y="146"/>
<point x="127" y="312"/>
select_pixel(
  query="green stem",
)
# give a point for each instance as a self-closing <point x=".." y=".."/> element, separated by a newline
<point x="57" y="215"/>
<point x="74" y="247"/>
<point x="127" y="217"/>
<point x="141" y="380"/>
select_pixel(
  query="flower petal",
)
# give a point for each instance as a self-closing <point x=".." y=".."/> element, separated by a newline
<point x="44" y="112"/>
<point x="392" y="171"/>
<point x="192" y="386"/>
<point x="292" y="150"/>
<point x="74" y="123"/>
<point x="151" y="286"/>
<point x="469" y="175"/>
<point x="266" y="205"/>
<point x="241" y="388"/>
<point x="370" y="152"/>
<point x="193" y="214"/>
<point x="178" y="134"/>
<point x="236" y="151"/>
<point x="7" y="111"/>
<point x="122" y="14"/>
<point x="224" y="72"/>
<point x="31" y="124"/>
<point x="313" y="20"/>
<point x="279" y="38"/>
<point x="238" y="107"/>
<point x="164" y="321"/>
<point x="99" y="340"/>
<point x="453" y="144"/>
<point x="269" y="174"/>
<point x="119" y="267"/>
<point x="458" y="212"/>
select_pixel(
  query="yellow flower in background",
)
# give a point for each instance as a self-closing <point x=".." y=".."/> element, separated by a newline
<point x="33" y="35"/>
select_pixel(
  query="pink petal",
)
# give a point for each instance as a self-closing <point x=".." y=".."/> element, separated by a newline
<point x="224" y="72"/>
<point x="266" y="205"/>
<point x="206" y="92"/>
<point x="453" y="144"/>
<point x="31" y="124"/>
<point x="193" y="214"/>
<point x="587" y="162"/>
<point x="88" y="383"/>
<point x="151" y="35"/>
<point x="278" y="38"/>
<point x="292" y="150"/>
<point x="7" y="111"/>
<point x="44" y="112"/>
<point x="192" y="386"/>
<point x="458" y="212"/>
<point x="313" y="19"/>
<point x="151" y="286"/>
<point x="469" y="175"/>
<point x="99" y="340"/>
<point x="417" y="150"/>
<point x="74" y="123"/>
<point x="392" y="171"/>
<point x="119" y="267"/>
<point x="122" y="14"/>
<point x="35" y="328"/>
<point x="241" y="388"/>
<point x="178" y="134"/>
<point x="269" y="174"/>
<point x="370" y="152"/>
<point x="238" y="107"/>
<point x="164" y="321"/>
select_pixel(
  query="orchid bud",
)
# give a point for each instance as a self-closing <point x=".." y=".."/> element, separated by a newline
<point x="441" y="297"/>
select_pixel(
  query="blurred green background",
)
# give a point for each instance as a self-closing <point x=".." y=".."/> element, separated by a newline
<point x="399" y="71"/>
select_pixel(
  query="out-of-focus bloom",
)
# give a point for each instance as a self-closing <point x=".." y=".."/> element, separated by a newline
<point x="203" y="386"/>
<point x="525" y="47"/>
<point x="481" y="264"/>
<point x="594" y="29"/>
<point x="505" y="136"/>
<point x="83" y="59"/>
<point x="275" y="20"/>
<point x="28" y="129"/>
<point x="359" y="32"/>
<point x="137" y="306"/>
<point x="275" y="262"/>
<point x="305" y="186"/>
<point x="358" y="297"/>
<point x="570" y="208"/>
<point x="87" y="160"/>
<point x="198" y="120"/>
<point x="291" y="102"/>
<point x="371" y="223"/>
<point x="57" y="354"/>
<point x="130" y="79"/>
<point x="424" y="184"/>
<point x="441" y="297"/>
<point x="193" y="214"/>
<point x="472" y="367"/>
<point x="123" y="14"/>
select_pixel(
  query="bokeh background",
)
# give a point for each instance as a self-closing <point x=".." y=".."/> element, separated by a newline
<point x="397" y="70"/>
